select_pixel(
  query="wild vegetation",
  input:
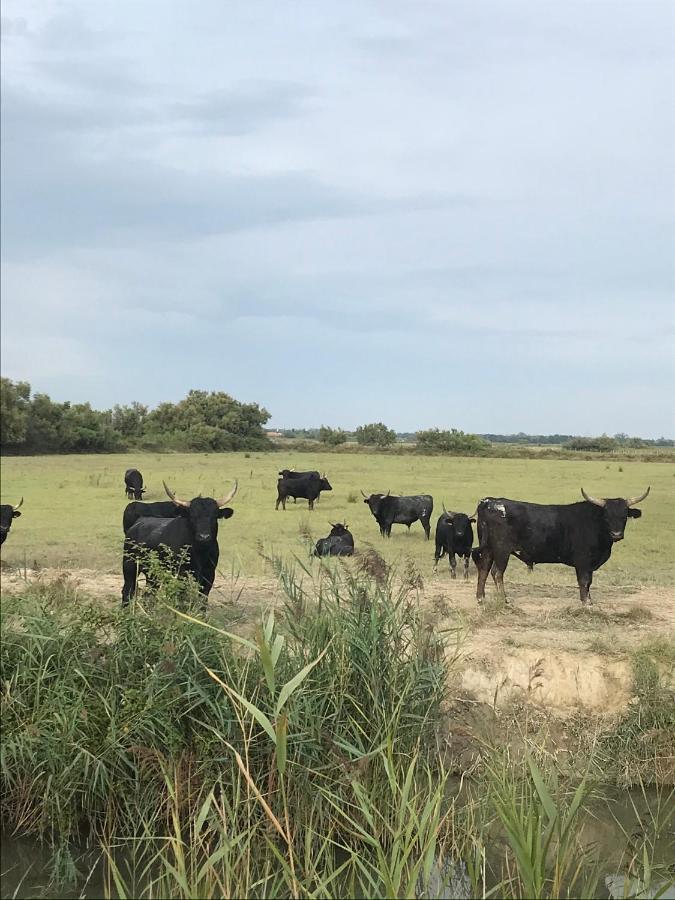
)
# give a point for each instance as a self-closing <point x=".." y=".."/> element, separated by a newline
<point x="215" y="421"/>
<point x="307" y="760"/>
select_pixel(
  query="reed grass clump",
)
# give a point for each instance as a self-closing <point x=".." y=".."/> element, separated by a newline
<point x="304" y="760"/>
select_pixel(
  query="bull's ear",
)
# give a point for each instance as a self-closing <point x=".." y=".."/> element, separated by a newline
<point x="226" y="513"/>
<point x="634" y="513"/>
<point x="472" y="519"/>
<point x="16" y="513"/>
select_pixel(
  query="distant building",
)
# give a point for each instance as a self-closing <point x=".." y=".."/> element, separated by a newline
<point x="273" y="434"/>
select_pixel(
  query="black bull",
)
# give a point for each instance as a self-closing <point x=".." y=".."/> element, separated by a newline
<point x="580" y="535"/>
<point x="389" y="510"/>
<point x="7" y="515"/>
<point x="454" y="536"/>
<point x="190" y="540"/>
<point x="340" y="542"/>
<point x="307" y="488"/>
<point x="291" y="473"/>
<point x="133" y="482"/>
<point x="160" y="509"/>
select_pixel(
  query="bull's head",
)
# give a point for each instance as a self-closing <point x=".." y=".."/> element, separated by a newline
<point x="204" y="512"/>
<point x="7" y="514"/>
<point x="459" y="522"/>
<point x="374" y="501"/>
<point x="338" y="529"/>
<point x="324" y="484"/>
<point x="617" y="511"/>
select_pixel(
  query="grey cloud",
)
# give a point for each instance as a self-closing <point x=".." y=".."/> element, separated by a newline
<point x="243" y="108"/>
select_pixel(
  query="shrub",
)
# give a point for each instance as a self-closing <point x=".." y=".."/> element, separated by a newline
<point x="332" y="436"/>
<point x="376" y="434"/>
<point x="454" y="441"/>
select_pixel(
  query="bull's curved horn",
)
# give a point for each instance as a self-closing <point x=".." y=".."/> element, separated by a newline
<point x="226" y="500"/>
<point x="634" y="500"/>
<point x="21" y="501"/>
<point x="365" y="495"/>
<point x="172" y="496"/>
<point x="593" y="499"/>
<point x="388" y="492"/>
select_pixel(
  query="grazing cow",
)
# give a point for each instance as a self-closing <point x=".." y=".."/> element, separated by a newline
<point x="580" y="535"/>
<point x="133" y="481"/>
<point x="389" y="510"/>
<point x="307" y="488"/>
<point x="7" y="514"/>
<point x="454" y="535"/>
<point x="160" y="509"/>
<point x="340" y="542"/>
<point x="190" y="538"/>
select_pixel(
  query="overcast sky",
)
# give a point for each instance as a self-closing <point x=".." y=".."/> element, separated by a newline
<point x="451" y="213"/>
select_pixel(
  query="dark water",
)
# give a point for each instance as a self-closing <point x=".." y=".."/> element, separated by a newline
<point x="614" y="827"/>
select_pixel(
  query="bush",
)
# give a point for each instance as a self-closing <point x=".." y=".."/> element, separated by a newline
<point x="332" y="436"/>
<point x="375" y="434"/>
<point x="602" y="444"/>
<point x="454" y="441"/>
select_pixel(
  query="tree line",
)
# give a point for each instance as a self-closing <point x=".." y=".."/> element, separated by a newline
<point x="215" y="421"/>
<point x="201" y="421"/>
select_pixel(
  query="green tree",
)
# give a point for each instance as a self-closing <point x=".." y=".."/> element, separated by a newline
<point x="454" y="441"/>
<point x="129" y="420"/>
<point x="210" y="421"/>
<point x="602" y="444"/>
<point x="14" y="407"/>
<point x="376" y="434"/>
<point x="332" y="436"/>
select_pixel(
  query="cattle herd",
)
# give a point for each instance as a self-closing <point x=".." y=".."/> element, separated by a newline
<point x="185" y="532"/>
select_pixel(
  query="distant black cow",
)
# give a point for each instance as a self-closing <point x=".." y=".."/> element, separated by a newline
<point x="389" y="510"/>
<point x="160" y="509"/>
<point x="133" y="481"/>
<point x="575" y="534"/>
<point x="307" y="488"/>
<point x="291" y="473"/>
<point x="7" y="514"/>
<point x="340" y="542"/>
<point x="190" y="538"/>
<point x="454" y="536"/>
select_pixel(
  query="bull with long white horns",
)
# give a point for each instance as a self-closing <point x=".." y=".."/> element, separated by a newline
<point x="188" y="542"/>
<point x="580" y="535"/>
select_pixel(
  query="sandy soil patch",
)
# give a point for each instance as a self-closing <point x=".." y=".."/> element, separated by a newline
<point x="546" y="650"/>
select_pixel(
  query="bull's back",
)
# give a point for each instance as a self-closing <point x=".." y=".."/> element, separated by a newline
<point x="410" y="509"/>
<point x="153" y="532"/>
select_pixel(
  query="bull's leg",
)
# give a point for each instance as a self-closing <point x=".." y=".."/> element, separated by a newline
<point x="466" y="567"/>
<point x="311" y="504"/>
<point x="130" y="575"/>
<point x="484" y="566"/>
<point x="499" y="568"/>
<point x="276" y="505"/>
<point x="584" y="579"/>
<point x="452" y="562"/>
<point x="427" y="527"/>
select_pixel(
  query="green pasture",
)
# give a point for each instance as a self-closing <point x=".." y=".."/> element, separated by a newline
<point x="73" y="506"/>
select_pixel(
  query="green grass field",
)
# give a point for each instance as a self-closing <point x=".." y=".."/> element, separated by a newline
<point x="73" y="505"/>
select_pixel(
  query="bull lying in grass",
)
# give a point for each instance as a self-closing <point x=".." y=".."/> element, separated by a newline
<point x="340" y="542"/>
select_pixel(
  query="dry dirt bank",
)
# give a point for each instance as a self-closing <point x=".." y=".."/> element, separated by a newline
<point x="545" y="650"/>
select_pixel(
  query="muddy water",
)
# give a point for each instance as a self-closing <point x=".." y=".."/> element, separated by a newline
<point x="612" y="825"/>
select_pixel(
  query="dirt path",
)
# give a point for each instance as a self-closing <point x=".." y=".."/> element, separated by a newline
<point x="545" y="650"/>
